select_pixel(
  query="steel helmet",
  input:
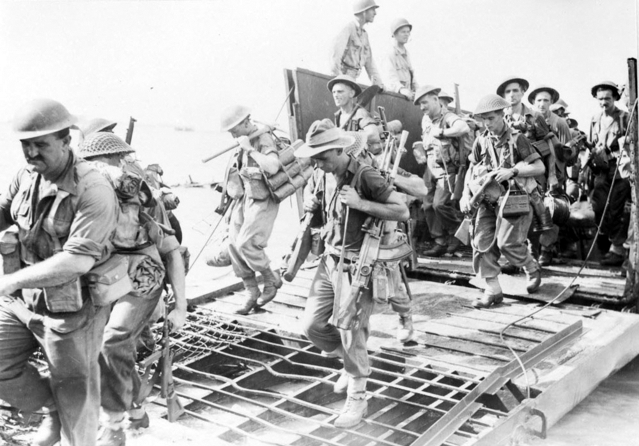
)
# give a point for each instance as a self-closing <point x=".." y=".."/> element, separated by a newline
<point x="363" y="5"/>
<point x="608" y="85"/>
<point x="102" y="143"/>
<point x="490" y="103"/>
<point x="554" y="94"/>
<point x="96" y="125"/>
<point x="399" y="23"/>
<point x="232" y="116"/>
<point x="41" y="117"/>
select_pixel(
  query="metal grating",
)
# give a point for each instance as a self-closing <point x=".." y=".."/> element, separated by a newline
<point x="255" y="383"/>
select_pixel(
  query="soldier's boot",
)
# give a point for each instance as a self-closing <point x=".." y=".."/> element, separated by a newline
<point x="545" y="258"/>
<point x="112" y="433"/>
<point x="492" y="295"/>
<point x="356" y="405"/>
<point x="48" y="433"/>
<point x="533" y="276"/>
<point x="405" y="329"/>
<point x="272" y="283"/>
<point x="341" y="385"/>
<point x="337" y="353"/>
<point x="138" y="418"/>
<point x="252" y="293"/>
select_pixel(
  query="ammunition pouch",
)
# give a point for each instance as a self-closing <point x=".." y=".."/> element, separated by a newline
<point x="10" y="251"/>
<point x="109" y="281"/>
<point x="254" y="184"/>
<point x="515" y="203"/>
<point x="64" y="298"/>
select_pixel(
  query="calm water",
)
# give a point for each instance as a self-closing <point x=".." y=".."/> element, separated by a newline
<point x="608" y="417"/>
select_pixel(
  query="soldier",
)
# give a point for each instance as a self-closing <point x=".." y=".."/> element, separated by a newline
<point x="148" y="248"/>
<point x="511" y="157"/>
<point x="445" y="99"/>
<point x="95" y="125"/>
<point x="255" y="212"/>
<point x="397" y="64"/>
<point x="560" y="108"/>
<point x="441" y="132"/>
<point x="352" y="192"/>
<point x="543" y="97"/>
<point x="606" y="129"/>
<point x="345" y="90"/>
<point x="352" y="49"/>
<point x="65" y="212"/>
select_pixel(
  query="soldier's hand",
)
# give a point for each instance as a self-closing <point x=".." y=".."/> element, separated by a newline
<point x="245" y="143"/>
<point x="503" y="174"/>
<point x="464" y="204"/>
<point x="311" y="203"/>
<point x="437" y="133"/>
<point x="349" y="197"/>
<point x="407" y="93"/>
<point x="176" y="319"/>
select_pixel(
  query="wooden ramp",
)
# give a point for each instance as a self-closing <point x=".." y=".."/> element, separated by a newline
<point x="255" y="379"/>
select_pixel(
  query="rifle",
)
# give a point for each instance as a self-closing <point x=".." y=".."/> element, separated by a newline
<point x="363" y="100"/>
<point x="129" y="131"/>
<point x="345" y="312"/>
<point x="463" y="232"/>
<point x="266" y="129"/>
<point x="167" y="387"/>
<point x="163" y="373"/>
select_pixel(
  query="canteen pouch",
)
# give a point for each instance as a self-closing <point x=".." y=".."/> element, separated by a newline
<point x="10" y="250"/>
<point x="110" y="281"/>
<point x="64" y="298"/>
<point x="234" y="186"/>
<point x="515" y="203"/>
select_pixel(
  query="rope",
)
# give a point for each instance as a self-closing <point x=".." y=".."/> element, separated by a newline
<point x="583" y="265"/>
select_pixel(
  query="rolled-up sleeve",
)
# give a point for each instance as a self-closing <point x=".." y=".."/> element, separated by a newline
<point x="94" y="222"/>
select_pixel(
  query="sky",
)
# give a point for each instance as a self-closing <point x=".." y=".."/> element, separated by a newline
<point x="181" y="63"/>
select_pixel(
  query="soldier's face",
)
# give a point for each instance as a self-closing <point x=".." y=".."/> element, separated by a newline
<point x="369" y="15"/>
<point x="327" y="161"/>
<point x="46" y="154"/>
<point x="513" y="93"/>
<point x="429" y="104"/>
<point x="605" y="99"/>
<point x="403" y="34"/>
<point x="242" y="129"/>
<point x="493" y="121"/>
<point x="342" y="94"/>
<point x="543" y="100"/>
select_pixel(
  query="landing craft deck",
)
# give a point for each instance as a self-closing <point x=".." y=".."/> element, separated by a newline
<point x="255" y="379"/>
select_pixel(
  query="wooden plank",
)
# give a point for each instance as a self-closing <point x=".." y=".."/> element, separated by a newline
<point x="465" y="347"/>
<point x="549" y="314"/>
<point x="494" y="328"/>
<point x="504" y="319"/>
<point x="466" y="334"/>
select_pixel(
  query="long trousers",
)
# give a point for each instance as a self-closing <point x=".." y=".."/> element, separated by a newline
<point x="508" y="239"/>
<point x="251" y="227"/>
<point x="120" y="381"/>
<point x="71" y="344"/>
<point x="615" y="224"/>
<point x="319" y="309"/>
<point x="441" y="215"/>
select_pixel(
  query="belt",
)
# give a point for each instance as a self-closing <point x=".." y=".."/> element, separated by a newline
<point x="349" y="256"/>
<point x="346" y="261"/>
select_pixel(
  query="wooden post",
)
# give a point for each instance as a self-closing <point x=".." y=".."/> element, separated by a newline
<point x="632" y="278"/>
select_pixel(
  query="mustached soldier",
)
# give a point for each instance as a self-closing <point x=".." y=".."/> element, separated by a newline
<point x="66" y="212"/>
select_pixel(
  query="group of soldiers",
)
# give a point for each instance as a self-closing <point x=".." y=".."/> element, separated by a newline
<point x="88" y="250"/>
<point x="91" y="244"/>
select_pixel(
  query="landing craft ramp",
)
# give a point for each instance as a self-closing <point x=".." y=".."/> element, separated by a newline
<point x="257" y="380"/>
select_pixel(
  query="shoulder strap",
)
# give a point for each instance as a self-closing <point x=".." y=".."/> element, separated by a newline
<point x="355" y="182"/>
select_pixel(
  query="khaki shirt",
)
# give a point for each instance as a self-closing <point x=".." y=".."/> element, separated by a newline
<point x="398" y="70"/>
<point x="352" y="51"/>
<point x="77" y="213"/>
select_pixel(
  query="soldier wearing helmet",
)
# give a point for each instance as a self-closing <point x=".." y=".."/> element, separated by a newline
<point x="442" y="133"/>
<point x="607" y="129"/>
<point x="255" y="209"/>
<point x="351" y="51"/>
<point x="503" y="159"/>
<point x="152" y="254"/>
<point x="398" y="68"/>
<point x="65" y="212"/>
